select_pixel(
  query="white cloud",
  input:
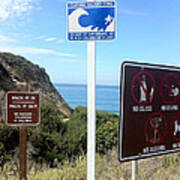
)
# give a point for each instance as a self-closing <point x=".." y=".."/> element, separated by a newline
<point x="50" y="39"/>
<point x="6" y="39"/>
<point x="54" y="39"/>
<point x="60" y="41"/>
<point x="34" y="51"/>
<point x="9" y="8"/>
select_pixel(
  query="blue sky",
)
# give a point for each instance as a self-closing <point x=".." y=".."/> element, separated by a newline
<point x="147" y="31"/>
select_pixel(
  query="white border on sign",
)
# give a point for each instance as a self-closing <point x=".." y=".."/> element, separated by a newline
<point x="144" y="65"/>
<point x="22" y="124"/>
<point x="67" y="22"/>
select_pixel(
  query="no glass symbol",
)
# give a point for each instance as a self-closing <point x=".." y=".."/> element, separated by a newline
<point x="143" y="88"/>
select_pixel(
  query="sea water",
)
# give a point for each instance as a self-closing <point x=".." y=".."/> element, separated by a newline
<point x="107" y="97"/>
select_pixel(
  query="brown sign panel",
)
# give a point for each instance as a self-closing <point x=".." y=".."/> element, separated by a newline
<point x="149" y="110"/>
<point x="23" y="108"/>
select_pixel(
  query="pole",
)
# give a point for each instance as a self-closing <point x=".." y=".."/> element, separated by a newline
<point x="23" y="145"/>
<point x="134" y="170"/>
<point x="91" y="102"/>
<point x="91" y="85"/>
<point x="22" y="153"/>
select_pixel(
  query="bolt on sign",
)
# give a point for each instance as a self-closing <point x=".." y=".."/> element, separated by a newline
<point x="23" y="108"/>
<point x="149" y="110"/>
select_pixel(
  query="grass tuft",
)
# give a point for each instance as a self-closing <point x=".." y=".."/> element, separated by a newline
<point x="107" y="168"/>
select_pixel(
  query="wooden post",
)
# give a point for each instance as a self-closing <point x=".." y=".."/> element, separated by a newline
<point x="22" y="153"/>
<point x="23" y="145"/>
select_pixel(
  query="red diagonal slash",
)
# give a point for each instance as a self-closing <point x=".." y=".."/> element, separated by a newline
<point x="153" y="125"/>
<point x="157" y="130"/>
<point x="136" y="80"/>
<point x="169" y="86"/>
<point x="166" y="99"/>
<point x="147" y="94"/>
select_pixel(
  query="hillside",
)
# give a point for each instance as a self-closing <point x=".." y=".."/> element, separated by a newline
<point x="15" y="70"/>
<point x="53" y="142"/>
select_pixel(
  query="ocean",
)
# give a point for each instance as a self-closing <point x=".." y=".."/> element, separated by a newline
<point x="107" y="97"/>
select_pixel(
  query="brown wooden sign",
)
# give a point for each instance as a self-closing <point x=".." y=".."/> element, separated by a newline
<point x="149" y="110"/>
<point x="23" y="108"/>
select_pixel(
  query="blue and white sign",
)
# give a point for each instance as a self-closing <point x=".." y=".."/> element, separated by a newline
<point x="91" y="20"/>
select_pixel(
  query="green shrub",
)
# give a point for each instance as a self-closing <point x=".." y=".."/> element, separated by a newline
<point x="76" y="134"/>
<point x="48" y="136"/>
<point x="106" y="135"/>
<point x="56" y="140"/>
<point x="106" y="131"/>
<point x="9" y="139"/>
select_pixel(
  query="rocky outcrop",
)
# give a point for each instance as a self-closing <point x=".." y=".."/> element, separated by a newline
<point x="16" y="70"/>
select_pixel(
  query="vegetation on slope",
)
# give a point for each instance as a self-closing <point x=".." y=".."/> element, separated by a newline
<point x="107" y="168"/>
<point x="55" y="140"/>
<point x="59" y="150"/>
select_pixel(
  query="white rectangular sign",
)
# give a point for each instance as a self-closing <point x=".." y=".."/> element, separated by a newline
<point x="91" y="20"/>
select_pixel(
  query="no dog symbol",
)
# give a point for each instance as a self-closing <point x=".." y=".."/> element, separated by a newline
<point x="143" y="88"/>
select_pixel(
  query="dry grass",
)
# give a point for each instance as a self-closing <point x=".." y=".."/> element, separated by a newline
<point x="107" y="168"/>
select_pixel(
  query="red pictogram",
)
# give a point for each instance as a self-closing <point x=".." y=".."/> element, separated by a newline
<point x="170" y="89"/>
<point x="175" y="127"/>
<point x="155" y="128"/>
<point x="143" y="88"/>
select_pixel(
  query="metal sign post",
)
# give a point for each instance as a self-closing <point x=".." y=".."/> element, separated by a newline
<point x="91" y="130"/>
<point x="91" y="140"/>
<point x="134" y="170"/>
<point x="91" y="21"/>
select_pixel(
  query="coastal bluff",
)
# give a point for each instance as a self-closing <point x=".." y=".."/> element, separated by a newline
<point x="15" y="70"/>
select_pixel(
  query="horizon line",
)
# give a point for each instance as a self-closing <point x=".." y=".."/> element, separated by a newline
<point x="84" y="84"/>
